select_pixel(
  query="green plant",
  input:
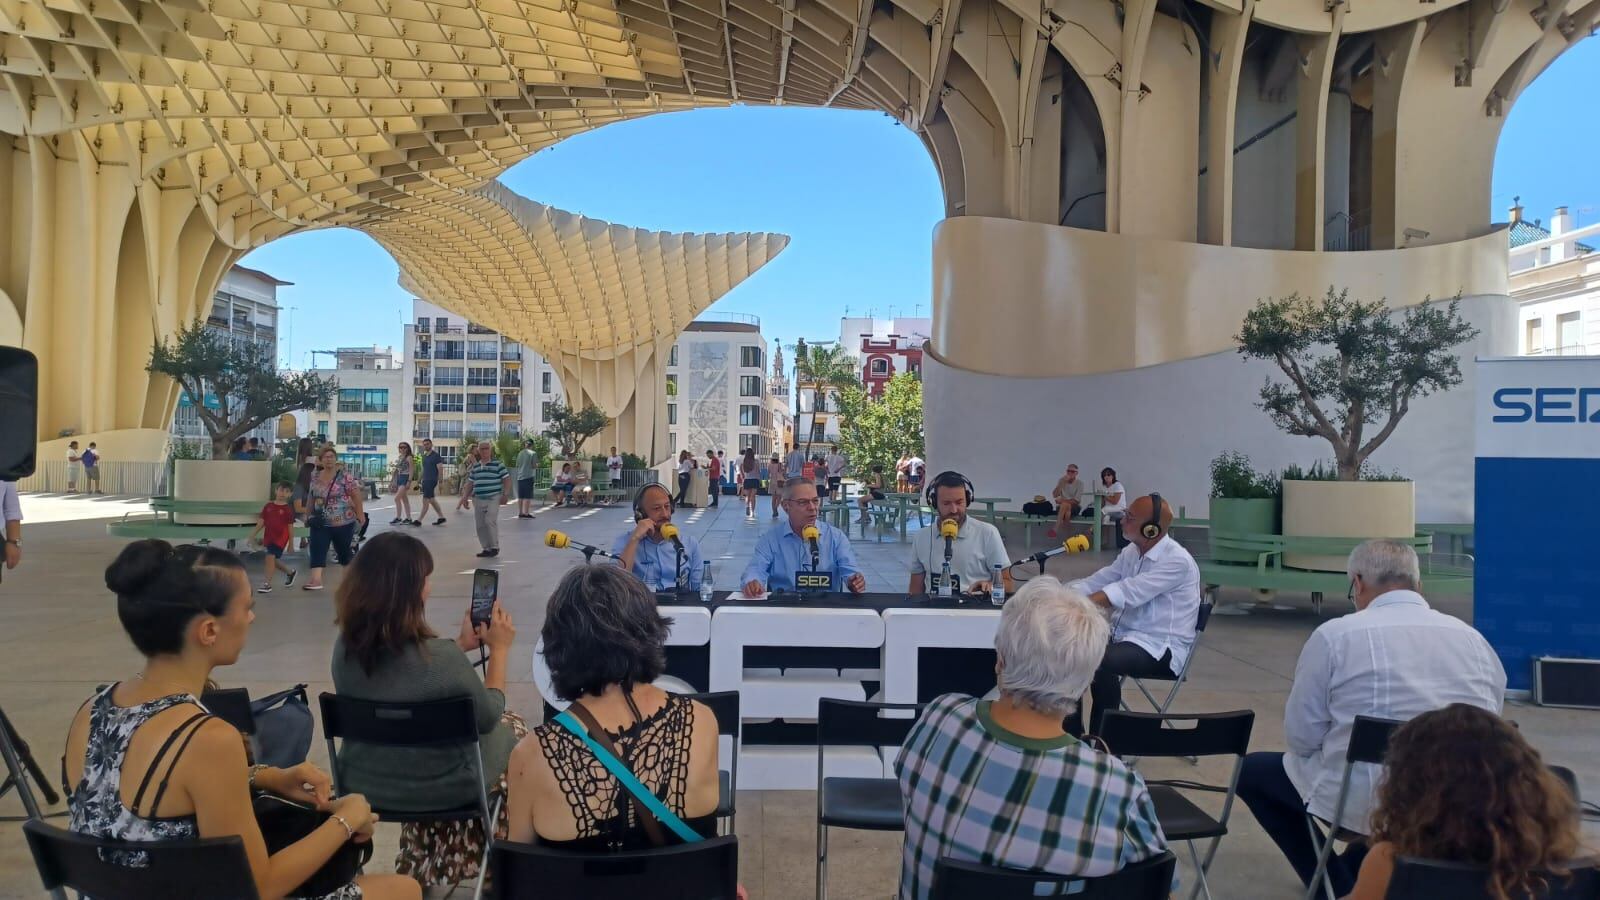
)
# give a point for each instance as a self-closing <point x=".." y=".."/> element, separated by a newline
<point x="284" y="467"/>
<point x="1233" y="477"/>
<point x="1351" y="364"/>
<point x="569" y="427"/>
<point x="821" y="367"/>
<point x="241" y="376"/>
<point x="629" y="461"/>
<point x="878" y="431"/>
<point x="1329" y="471"/>
<point x="182" y="449"/>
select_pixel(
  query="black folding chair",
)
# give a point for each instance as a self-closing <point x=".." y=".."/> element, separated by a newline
<point x="231" y="705"/>
<point x="1369" y="742"/>
<point x="206" y="869"/>
<point x="1185" y="735"/>
<point x="725" y="706"/>
<point x="1427" y="879"/>
<point x="1150" y="879"/>
<point x="452" y="722"/>
<point x="1203" y="617"/>
<point x="871" y="804"/>
<point x="706" y="870"/>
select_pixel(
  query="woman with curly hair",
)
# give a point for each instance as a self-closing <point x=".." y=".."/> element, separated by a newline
<point x="1462" y="785"/>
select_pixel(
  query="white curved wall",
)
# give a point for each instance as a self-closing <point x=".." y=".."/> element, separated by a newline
<point x="1159" y="426"/>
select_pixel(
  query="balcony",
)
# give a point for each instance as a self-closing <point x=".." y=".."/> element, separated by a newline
<point x="420" y="405"/>
<point x="484" y="408"/>
<point x="422" y="379"/>
<point x="473" y="328"/>
<point x="510" y="407"/>
<point x="422" y="352"/>
<point x="419" y="432"/>
<point x="482" y="354"/>
<point x="448" y="407"/>
<point x="482" y="382"/>
<point x="510" y="381"/>
<point x="448" y="354"/>
<point x="511" y="353"/>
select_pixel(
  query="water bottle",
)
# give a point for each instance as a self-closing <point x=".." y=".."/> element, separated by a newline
<point x="944" y="581"/>
<point x="997" y="587"/>
<point x="705" y="583"/>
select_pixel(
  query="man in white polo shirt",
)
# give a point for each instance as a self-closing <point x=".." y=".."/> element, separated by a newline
<point x="975" y="550"/>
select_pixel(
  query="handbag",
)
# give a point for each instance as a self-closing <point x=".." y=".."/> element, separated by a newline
<point x="647" y="807"/>
<point x="283" y="822"/>
<point x="283" y="727"/>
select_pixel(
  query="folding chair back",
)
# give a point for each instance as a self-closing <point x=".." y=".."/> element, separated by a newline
<point x="231" y="705"/>
<point x="1369" y="743"/>
<point x="845" y="723"/>
<point x="1426" y="879"/>
<point x="707" y="870"/>
<point x="1150" y="879"/>
<point x="1369" y="740"/>
<point x="1202" y="618"/>
<point x="432" y="723"/>
<point x="851" y="802"/>
<point x="206" y="869"/>
<point x="725" y="706"/>
<point x="1178" y="734"/>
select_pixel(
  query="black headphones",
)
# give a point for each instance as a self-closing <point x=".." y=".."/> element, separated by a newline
<point x="638" y="500"/>
<point x="948" y="479"/>
<point x="1151" y="529"/>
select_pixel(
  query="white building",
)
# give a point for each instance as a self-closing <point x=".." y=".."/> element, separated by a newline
<point x="716" y="387"/>
<point x="905" y="330"/>
<point x="365" y="421"/>
<point x="245" y="308"/>
<point x="1555" y="279"/>
<point x="461" y="378"/>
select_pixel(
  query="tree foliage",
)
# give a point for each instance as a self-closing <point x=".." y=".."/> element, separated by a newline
<point x="824" y="366"/>
<point x="878" y="431"/>
<point x="243" y="378"/>
<point x="1352" y="366"/>
<point x="569" y="427"/>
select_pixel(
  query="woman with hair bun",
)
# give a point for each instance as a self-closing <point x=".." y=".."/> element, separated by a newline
<point x="144" y="759"/>
<point x="1462" y="785"/>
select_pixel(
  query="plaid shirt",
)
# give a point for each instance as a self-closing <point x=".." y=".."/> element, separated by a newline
<point x="978" y="793"/>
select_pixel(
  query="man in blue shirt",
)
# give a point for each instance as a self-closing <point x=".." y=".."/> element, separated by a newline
<point x="647" y="554"/>
<point x="782" y="551"/>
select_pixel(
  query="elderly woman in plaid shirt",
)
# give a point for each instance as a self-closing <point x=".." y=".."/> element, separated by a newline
<point x="1000" y="783"/>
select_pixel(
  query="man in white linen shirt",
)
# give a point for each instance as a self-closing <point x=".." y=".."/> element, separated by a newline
<point x="1152" y="594"/>
<point x="1394" y="658"/>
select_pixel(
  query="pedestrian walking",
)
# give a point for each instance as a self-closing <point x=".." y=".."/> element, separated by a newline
<point x="491" y="489"/>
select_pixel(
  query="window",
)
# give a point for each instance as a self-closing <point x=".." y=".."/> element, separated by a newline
<point x="481" y="377"/>
<point x="375" y="433"/>
<point x="1535" y="332"/>
<point x="1569" y="333"/>
<point x="749" y="385"/>
<point x="750" y="357"/>
<point x="449" y="350"/>
<point x="749" y="416"/>
<point x="818" y="432"/>
<point x="672" y="385"/>
<point x="449" y="375"/>
<point x="672" y="413"/>
<point x="376" y="401"/>
<point x="879" y="366"/>
<point x="447" y="452"/>
<point x="422" y="324"/>
<point x="448" y="402"/>
<point x="349" y="401"/>
<point x="322" y="428"/>
<point x="544" y="382"/>
<point x="544" y="411"/>
<point x="347" y="432"/>
<point x="480" y="403"/>
<point x="672" y="355"/>
<point x="673" y="445"/>
<point x="483" y="349"/>
<point x="441" y="323"/>
<point x="447" y="430"/>
<point x="746" y="441"/>
<point x="364" y="400"/>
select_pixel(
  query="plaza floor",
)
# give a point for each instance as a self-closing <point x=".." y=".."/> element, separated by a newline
<point x="59" y="637"/>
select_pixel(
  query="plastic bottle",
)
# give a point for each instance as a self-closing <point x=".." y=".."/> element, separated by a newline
<point x="997" y="587"/>
<point x="705" y="583"/>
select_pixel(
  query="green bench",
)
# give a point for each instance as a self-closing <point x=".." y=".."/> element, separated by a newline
<point x="1439" y="572"/>
<point x="162" y="521"/>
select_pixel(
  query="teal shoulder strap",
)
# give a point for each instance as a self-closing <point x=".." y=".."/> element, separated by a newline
<point x="628" y="781"/>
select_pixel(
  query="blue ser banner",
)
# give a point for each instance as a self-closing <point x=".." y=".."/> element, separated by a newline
<point x="1537" y="569"/>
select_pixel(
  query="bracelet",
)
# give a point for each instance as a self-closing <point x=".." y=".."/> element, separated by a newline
<point x="349" y="833"/>
<point x="254" y="771"/>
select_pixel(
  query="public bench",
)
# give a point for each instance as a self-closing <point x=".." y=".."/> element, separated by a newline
<point x="1440" y="572"/>
<point x="162" y="521"/>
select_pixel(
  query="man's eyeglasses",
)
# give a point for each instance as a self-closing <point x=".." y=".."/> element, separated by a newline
<point x="813" y="501"/>
<point x="1350" y="595"/>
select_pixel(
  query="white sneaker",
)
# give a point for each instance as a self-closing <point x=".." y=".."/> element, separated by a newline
<point x="266" y="588"/>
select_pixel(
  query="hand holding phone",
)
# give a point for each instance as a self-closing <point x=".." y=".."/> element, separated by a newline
<point x="485" y="593"/>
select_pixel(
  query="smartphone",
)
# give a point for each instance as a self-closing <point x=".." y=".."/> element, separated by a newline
<point x="485" y="591"/>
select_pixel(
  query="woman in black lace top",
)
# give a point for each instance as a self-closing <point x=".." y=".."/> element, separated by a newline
<point x="603" y="641"/>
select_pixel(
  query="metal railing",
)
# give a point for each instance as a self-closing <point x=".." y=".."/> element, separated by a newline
<point x="483" y="354"/>
<point x="140" y="479"/>
<point x="422" y="379"/>
<point x="450" y="354"/>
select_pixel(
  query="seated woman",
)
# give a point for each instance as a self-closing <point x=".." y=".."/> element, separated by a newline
<point x="604" y="643"/>
<point x="582" y="489"/>
<point x="872" y="490"/>
<point x="386" y="651"/>
<point x="561" y="485"/>
<point x="1432" y="804"/>
<point x="144" y="760"/>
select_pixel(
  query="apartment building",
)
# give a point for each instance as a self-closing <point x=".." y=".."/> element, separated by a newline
<point x="717" y="392"/>
<point x="364" y="420"/>
<point x="245" y="309"/>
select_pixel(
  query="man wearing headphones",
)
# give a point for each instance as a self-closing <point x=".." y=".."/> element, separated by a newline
<point x="974" y="551"/>
<point x="649" y="554"/>
<point x="1152" y="594"/>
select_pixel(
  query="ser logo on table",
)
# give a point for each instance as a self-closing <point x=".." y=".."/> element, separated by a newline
<point x="806" y="580"/>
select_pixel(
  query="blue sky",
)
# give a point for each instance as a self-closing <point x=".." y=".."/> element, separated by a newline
<point x="855" y="191"/>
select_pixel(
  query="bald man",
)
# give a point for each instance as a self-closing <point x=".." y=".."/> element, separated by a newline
<point x="1152" y="594"/>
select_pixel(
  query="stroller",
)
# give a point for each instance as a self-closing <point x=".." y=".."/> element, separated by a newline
<point x="361" y="533"/>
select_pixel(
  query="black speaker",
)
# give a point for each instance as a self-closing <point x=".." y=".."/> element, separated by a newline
<point x="1573" y="683"/>
<point x="19" y="412"/>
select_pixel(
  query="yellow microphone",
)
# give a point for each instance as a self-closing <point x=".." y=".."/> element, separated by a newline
<point x="811" y="532"/>
<point x="560" y="541"/>
<point x="948" y="528"/>
<point x="1076" y="544"/>
<point x="669" y="532"/>
<point x="556" y="539"/>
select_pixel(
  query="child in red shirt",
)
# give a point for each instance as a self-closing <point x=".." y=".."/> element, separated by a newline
<point x="277" y="521"/>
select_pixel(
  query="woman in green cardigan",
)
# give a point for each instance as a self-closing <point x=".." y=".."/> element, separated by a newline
<point x="386" y="651"/>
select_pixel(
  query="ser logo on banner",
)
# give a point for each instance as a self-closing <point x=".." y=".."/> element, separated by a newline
<point x="805" y="580"/>
<point x="1547" y="404"/>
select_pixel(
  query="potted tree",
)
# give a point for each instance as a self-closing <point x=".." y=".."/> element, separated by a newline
<point x="1353" y="368"/>
<point x="235" y="387"/>
<point x="1243" y="502"/>
<point x="569" y="429"/>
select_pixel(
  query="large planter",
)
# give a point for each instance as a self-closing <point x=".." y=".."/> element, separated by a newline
<point x="220" y="479"/>
<point x="1233" y="517"/>
<point x="1347" y="509"/>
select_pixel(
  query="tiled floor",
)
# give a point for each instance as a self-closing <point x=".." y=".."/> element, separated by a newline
<point x="59" y="637"/>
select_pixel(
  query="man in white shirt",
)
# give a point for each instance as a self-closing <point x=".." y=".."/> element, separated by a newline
<point x="914" y="469"/>
<point x="614" y="467"/>
<point x="836" y="465"/>
<point x="1152" y="594"/>
<point x="1394" y="658"/>
<point x="974" y="552"/>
